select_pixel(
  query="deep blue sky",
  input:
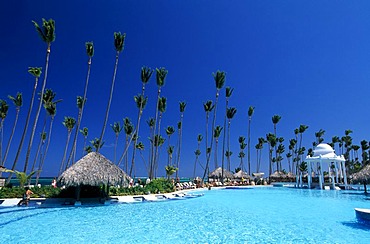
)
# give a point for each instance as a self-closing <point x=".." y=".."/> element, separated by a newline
<point x="307" y="61"/>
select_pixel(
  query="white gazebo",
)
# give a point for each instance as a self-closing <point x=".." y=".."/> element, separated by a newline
<point x="325" y="156"/>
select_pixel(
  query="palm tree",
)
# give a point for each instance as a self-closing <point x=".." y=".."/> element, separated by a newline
<point x="161" y="75"/>
<point x="158" y="142"/>
<point x="141" y="100"/>
<point x="230" y="113"/>
<point x="355" y="151"/>
<point x="319" y="136"/>
<point x="250" y="114"/>
<point x="82" y="100"/>
<point x="170" y="150"/>
<point x="301" y="130"/>
<point x="228" y="93"/>
<point x="197" y="153"/>
<point x="18" y="102"/>
<point x="4" y="107"/>
<point x="271" y="139"/>
<point x="117" y="128"/>
<point x="162" y="105"/>
<point x="288" y="156"/>
<point x="280" y="150"/>
<point x="96" y="143"/>
<point x="47" y="34"/>
<point x="69" y="123"/>
<point x="88" y="149"/>
<point x="21" y="176"/>
<point x="80" y="104"/>
<point x="364" y="147"/>
<point x="182" y="106"/>
<point x="170" y="170"/>
<point x="275" y="119"/>
<point x="119" y="41"/>
<point x="242" y="146"/>
<point x="140" y="146"/>
<point x="85" y="133"/>
<point x="334" y="140"/>
<point x="39" y="149"/>
<point x="169" y="131"/>
<point x="51" y="110"/>
<point x="35" y="72"/>
<point x="220" y="78"/>
<point x="216" y="135"/>
<point x="292" y="152"/>
<point x="241" y="156"/>
<point x="208" y="107"/>
<point x="151" y="123"/>
<point x="129" y="129"/>
<point x="259" y="148"/>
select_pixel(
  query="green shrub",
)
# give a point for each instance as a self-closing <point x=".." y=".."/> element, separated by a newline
<point x="160" y="185"/>
<point x="17" y="192"/>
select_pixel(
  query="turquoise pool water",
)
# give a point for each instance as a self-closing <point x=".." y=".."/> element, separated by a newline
<point x="259" y="215"/>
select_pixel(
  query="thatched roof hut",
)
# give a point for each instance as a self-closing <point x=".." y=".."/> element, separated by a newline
<point x="217" y="174"/>
<point x="279" y="176"/>
<point x="241" y="174"/>
<point x="362" y="176"/>
<point x="93" y="169"/>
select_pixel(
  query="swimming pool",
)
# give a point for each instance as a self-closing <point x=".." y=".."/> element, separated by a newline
<point x="258" y="215"/>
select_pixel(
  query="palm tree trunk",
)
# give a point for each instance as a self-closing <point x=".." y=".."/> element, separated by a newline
<point x="65" y="154"/>
<point x="179" y="147"/>
<point x="228" y="147"/>
<point x="38" y="110"/>
<point x="157" y="148"/>
<point x="152" y="152"/>
<point x="223" y="143"/>
<point x="39" y="147"/>
<point x="41" y="165"/>
<point x="115" y="149"/>
<point x="109" y="102"/>
<point x="216" y="144"/>
<point x="213" y="127"/>
<point x="71" y="157"/>
<point x="1" y="137"/>
<point x="195" y="166"/>
<point x="146" y="166"/>
<point x="137" y="132"/>
<point x="206" y="170"/>
<point x="83" y="149"/>
<point x="137" y="136"/>
<point x="126" y="158"/>
<point x="24" y="131"/>
<point x="11" y="137"/>
<point x="249" y="146"/>
<point x="74" y="148"/>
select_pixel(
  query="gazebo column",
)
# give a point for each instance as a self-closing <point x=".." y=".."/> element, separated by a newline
<point x="340" y="172"/>
<point x="344" y="174"/>
<point x="336" y="172"/>
<point x="321" y="176"/>
<point x="309" y="178"/>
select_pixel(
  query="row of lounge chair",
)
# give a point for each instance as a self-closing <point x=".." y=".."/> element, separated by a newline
<point x="185" y="185"/>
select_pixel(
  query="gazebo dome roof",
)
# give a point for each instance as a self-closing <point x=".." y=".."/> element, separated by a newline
<point x="322" y="149"/>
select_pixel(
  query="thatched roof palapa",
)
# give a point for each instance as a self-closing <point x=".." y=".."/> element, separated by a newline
<point x="241" y="174"/>
<point x="93" y="169"/>
<point x="362" y="176"/>
<point x="217" y="173"/>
